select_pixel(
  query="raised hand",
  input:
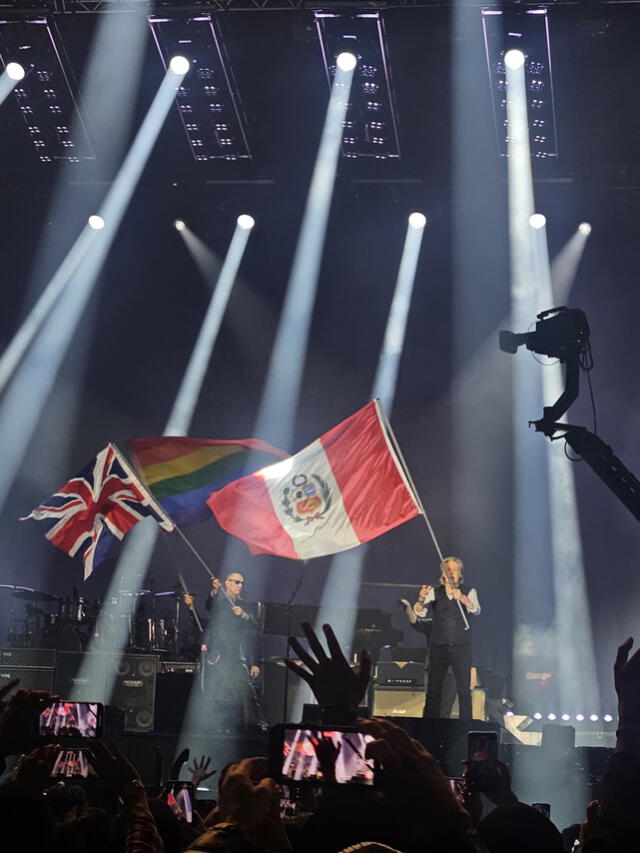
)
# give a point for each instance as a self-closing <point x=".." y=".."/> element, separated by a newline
<point x="200" y="770"/>
<point x="19" y="718"/>
<point x="333" y="682"/>
<point x="112" y="766"/>
<point x="626" y="673"/>
<point x="34" y="770"/>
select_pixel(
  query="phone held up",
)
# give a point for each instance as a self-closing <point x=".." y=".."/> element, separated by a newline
<point x="180" y="799"/>
<point x="72" y="764"/>
<point x="65" y="718"/>
<point x="482" y="756"/>
<point x="543" y="808"/>
<point x="320" y="755"/>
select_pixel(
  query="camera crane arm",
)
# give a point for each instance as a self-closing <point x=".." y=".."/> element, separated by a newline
<point x="564" y="335"/>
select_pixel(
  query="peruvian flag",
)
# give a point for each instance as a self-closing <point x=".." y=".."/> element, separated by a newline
<point x="345" y="488"/>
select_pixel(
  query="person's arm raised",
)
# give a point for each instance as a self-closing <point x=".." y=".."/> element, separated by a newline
<point x="338" y="687"/>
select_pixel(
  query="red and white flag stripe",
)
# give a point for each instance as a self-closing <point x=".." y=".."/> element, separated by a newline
<point x="343" y="489"/>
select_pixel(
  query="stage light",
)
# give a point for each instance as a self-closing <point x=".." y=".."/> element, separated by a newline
<point x="346" y="61"/>
<point x="509" y="714"/>
<point x="207" y="99"/>
<point x="537" y="221"/>
<point x="514" y="59"/>
<point x="179" y="65"/>
<point x="95" y="222"/>
<point x="15" y="71"/>
<point x="537" y="715"/>
<point x="551" y="716"/>
<point x="566" y="717"/>
<point x="608" y="718"/>
<point x="357" y="44"/>
<point x="417" y="220"/>
<point x="584" y="228"/>
<point x="179" y="225"/>
<point x="594" y="718"/>
<point x="245" y="221"/>
<point x="580" y="718"/>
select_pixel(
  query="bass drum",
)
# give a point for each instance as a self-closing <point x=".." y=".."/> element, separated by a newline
<point x="62" y="638"/>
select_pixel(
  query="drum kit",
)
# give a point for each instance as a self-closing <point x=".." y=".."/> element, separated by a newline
<point x="73" y="623"/>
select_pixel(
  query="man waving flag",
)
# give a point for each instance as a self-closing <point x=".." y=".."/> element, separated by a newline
<point x="102" y="503"/>
<point x="345" y="488"/>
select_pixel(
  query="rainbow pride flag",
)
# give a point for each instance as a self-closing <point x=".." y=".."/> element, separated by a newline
<point x="182" y="472"/>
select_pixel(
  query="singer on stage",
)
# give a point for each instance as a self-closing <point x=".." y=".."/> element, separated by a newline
<point x="449" y="641"/>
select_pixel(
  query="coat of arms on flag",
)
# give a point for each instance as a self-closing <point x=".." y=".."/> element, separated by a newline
<point x="343" y="489"/>
<point x="101" y="504"/>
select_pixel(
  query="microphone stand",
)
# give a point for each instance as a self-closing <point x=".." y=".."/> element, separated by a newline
<point x="289" y="610"/>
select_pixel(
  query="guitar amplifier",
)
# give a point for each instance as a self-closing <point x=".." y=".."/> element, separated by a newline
<point x="397" y="702"/>
<point x="406" y="674"/>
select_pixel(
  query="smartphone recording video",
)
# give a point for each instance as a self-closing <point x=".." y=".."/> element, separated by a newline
<point x="180" y="798"/>
<point x="482" y="755"/>
<point x="71" y="719"/>
<point x="322" y="755"/>
<point x="73" y="764"/>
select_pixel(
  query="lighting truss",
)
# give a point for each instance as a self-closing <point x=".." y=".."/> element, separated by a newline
<point x="207" y="100"/>
<point x="45" y="99"/>
<point x="527" y="31"/>
<point x="370" y="125"/>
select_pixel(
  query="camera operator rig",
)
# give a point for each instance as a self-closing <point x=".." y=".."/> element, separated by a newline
<point x="563" y="333"/>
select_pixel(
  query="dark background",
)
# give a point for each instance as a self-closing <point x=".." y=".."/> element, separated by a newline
<point x="125" y="366"/>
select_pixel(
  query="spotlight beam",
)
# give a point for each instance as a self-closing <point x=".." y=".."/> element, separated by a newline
<point x="32" y="383"/>
<point x="139" y="545"/>
<point x="276" y="417"/>
<point x="187" y="398"/>
<point x="340" y="593"/>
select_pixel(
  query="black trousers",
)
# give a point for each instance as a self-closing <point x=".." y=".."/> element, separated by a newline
<point x="459" y="659"/>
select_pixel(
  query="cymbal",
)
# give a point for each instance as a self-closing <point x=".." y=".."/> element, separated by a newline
<point x="34" y="595"/>
<point x="169" y="592"/>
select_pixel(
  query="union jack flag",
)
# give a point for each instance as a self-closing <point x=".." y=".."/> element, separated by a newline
<point x="102" y="503"/>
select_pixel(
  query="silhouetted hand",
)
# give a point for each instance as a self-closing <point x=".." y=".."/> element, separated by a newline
<point x="199" y="770"/>
<point x="414" y="785"/>
<point x="19" y="718"/>
<point x="33" y="771"/>
<point x="112" y="766"/>
<point x="626" y="673"/>
<point x="327" y="753"/>
<point x="250" y="798"/>
<point x="333" y="682"/>
<point x="243" y="799"/>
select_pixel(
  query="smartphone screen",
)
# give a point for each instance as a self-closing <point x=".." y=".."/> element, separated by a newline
<point x="321" y="755"/>
<point x="180" y="800"/>
<point x="482" y="754"/>
<point x="543" y="808"/>
<point x="72" y="763"/>
<point x="71" y="719"/>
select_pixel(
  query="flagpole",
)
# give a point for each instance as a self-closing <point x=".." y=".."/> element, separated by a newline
<point x="418" y="500"/>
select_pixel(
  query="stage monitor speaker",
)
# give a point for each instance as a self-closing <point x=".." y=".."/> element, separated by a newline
<point x="134" y="690"/>
<point x="397" y="702"/>
<point x="446" y="740"/>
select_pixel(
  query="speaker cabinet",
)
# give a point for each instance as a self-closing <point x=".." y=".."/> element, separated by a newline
<point x="134" y="691"/>
<point x="397" y="702"/>
<point x="173" y="690"/>
<point x="33" y="678"/>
